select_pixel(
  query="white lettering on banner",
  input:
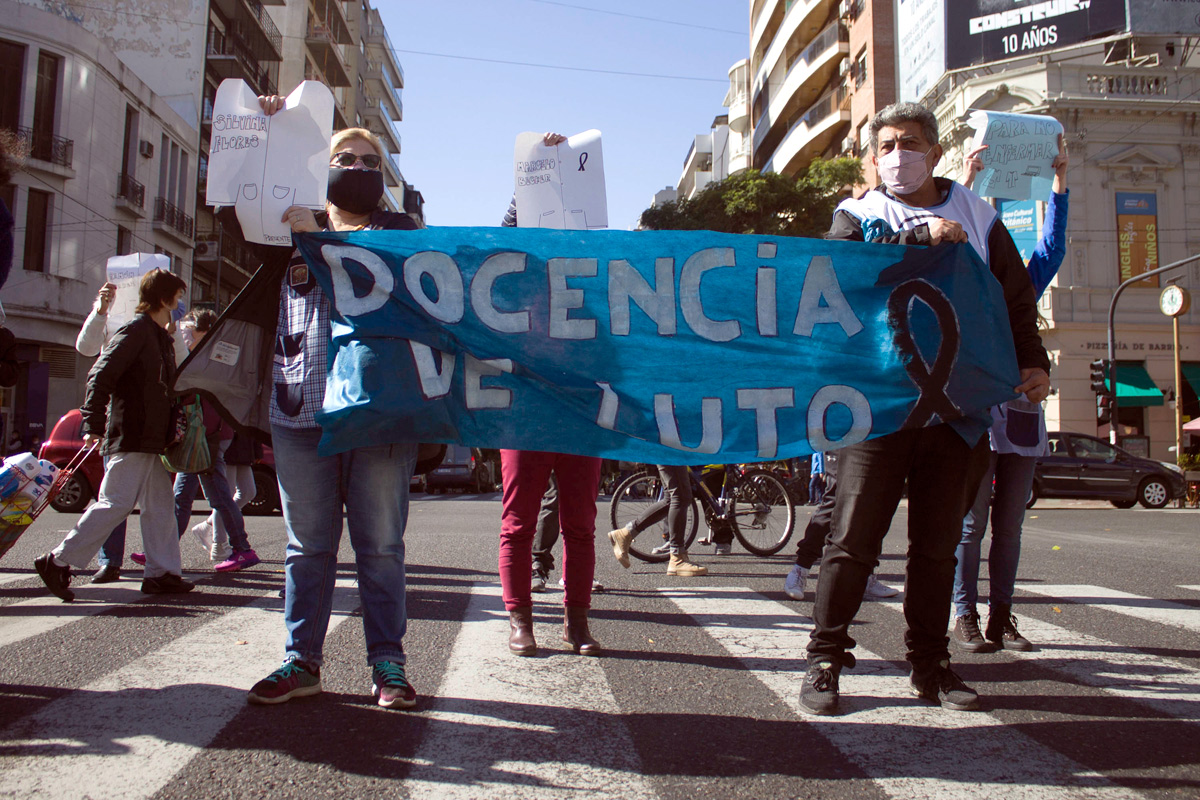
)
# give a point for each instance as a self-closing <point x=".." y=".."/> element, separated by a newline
<point x="860" y="417"/>
<point x="343" y="290"/>
<point x="434" y="382"/>
<point x="563" y="299"/>
<point x="668" y="426"/>
<point x="765" y="403"/>
<point x="689" y="295"/>
<point x="764" y="295"/>
<point x="447" y="281"/>
<point x="481" y="293"/>
<point x="820" y="282"/>
<point x="625" y="283"/>
<point x="1022" y="16"/>
<point x="477" y="396"/>
<point x="607" y="416"/>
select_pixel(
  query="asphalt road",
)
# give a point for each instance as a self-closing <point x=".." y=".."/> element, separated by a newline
<point x="121" y="695"/>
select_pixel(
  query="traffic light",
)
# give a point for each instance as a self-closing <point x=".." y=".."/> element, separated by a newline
<point x="1103" y="409"/>
<point x="1098" y="370"/>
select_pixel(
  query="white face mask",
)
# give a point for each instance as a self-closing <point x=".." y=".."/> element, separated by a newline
<point x="904" y="171"/>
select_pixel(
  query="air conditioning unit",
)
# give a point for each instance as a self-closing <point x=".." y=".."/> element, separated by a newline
<point x="145" y="149"/>
<point x="847" y="147"/>
<point x="844" y="8"/>
<point x="207" y="251"/>
<point x="844" y="67"/>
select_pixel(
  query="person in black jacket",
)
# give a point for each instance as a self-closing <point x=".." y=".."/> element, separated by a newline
<point x="937" y="461"/>
<point x="128" y="406"/>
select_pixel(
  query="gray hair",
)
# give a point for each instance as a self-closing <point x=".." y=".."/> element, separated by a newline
<point x="899" y="113"/>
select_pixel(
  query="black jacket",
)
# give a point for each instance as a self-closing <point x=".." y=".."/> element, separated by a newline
<point x="128" y="397"/>
<point x="1005" y="263"/>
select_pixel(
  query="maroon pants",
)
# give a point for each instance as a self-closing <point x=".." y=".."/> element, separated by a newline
<point x="526" y="475"/>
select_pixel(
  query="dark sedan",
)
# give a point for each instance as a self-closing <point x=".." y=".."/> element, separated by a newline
<point x="1079" y="466"/>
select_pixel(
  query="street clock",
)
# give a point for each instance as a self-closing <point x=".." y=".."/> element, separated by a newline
<point x="1174" y="301"/>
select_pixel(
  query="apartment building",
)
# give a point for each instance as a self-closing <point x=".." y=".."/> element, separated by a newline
<point x="725" y="149"/>
<point x="110" y="171"/>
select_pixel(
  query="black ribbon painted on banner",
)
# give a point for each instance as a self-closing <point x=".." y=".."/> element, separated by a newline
<point x="933" y="379"/>
<point x="582" y="161"/>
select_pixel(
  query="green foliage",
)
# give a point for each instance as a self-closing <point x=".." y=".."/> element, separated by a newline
<point x="1189" y="461"/>
<point x="763" y="203"/>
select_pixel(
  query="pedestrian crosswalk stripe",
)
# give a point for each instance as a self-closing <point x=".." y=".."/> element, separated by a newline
<point x="39" y="615"/>
<point x="770" y="642"/>
<point x="17" y="576"/>
<point x="1168" y="686"/>
<point x="1190" y="588"/>
<point x="1163" y="612"/>
<point x="159" y="711"/>
<point x="487" y="693"/>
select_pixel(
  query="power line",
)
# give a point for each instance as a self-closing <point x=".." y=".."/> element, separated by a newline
<point x="635" y="16"/>
<point x="560" y="67"/>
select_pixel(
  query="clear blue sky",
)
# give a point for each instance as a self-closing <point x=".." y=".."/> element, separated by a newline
<point x="462" y="117"/>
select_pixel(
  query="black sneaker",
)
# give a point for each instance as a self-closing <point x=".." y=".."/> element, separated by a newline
<point x="1002" y="630"/>
<point x="109" y="573"/>
<point x="56" y="578"/>
<point x="819" y="694"/>
<point x="938" y="684"/>
<point x="167" y="584"/>
<point x="967" y="635"/>
<point x="539" y="581"/>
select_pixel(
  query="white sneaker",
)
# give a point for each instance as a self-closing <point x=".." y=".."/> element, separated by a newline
<point x="878" y="591"/>
<point x="723" y="549"/>
<point x="793" y="584"/>
<point x="203" y="534"/>
<point x="597" y="586"/>
<point x="221" y="551"/>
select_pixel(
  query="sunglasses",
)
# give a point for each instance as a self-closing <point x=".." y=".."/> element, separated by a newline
<point x="347" y="160"/>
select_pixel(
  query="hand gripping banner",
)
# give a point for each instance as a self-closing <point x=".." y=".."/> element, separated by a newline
<point x="666" y="347"/>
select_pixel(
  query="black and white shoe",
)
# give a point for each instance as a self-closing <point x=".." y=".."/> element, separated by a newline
<point x="56" y="578"/>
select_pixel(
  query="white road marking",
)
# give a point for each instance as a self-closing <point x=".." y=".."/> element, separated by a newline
<point x="487" y="694"/>
<point x="880" y="712"/>
<point x="38" y="615"/>
<point x="1163" y="612"/>
<point x="1190" y="588"/>
<point x="160" y="711"/>
<point x="17" y="576"/>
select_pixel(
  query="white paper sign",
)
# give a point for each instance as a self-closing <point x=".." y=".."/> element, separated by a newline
<point x="126" y="273"/>
<point x="560" y="186"/>
<point x="1018" y="164"/>
<point x="260" y="165"/>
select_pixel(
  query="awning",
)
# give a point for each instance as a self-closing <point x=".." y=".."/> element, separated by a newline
<point x="1191" y="374"/>
<point x="1135" y="387"/>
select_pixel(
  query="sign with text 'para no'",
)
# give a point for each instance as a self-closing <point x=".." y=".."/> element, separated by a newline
<point x="560" y="186"/>
<point x="261" y="165"/>
<point x="1017" y="165"/>
<point x="663" y="347"/>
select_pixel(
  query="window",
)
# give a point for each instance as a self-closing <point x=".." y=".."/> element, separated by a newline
<point x="129" y="152"/>
<point x="45" y="98"/>
<point x="9" y="195"/>
<point x="124" y="241"/>
<point x="37" y="230"/>
<point x="1093" y="448"/>
<point x="860" y="69"/>
<point x="12" y="82"/>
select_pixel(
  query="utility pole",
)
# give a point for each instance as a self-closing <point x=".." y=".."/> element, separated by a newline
<point x="1112" y="334"/>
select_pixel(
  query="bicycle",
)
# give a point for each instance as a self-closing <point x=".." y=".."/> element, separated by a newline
<point x="754" y="503"/>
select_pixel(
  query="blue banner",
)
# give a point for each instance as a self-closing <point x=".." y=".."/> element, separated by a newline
<point x="664" y="347"/>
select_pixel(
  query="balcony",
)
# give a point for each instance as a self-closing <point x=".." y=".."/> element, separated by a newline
<point x="131" y="195"/>
<point x="211" y="247"/>
<point x="45" y="146"/>
<point x="231" y="56"/>
<point x="327" y="54"/>
<point x="249" y="20"/>
<point x="810" y="71"/>
<point x="173" y="221"/>
<point x="376" y="37"/>
<point x="810" y="134"/>
<point x="376" y="74"/>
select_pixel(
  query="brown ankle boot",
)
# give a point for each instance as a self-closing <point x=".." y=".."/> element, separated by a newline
<point x="576" y="634"/>
<point x="520" y="639"/>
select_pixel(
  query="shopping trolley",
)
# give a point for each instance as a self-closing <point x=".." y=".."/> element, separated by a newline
<point x="18" y="512"/>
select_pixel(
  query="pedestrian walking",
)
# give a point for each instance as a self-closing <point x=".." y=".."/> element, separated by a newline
<point x="677" y="486"/>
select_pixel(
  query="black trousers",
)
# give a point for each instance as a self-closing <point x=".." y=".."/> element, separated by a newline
<point x="547" y="533"/>
<point x="810" y="547"/>
<point x="937" y="464"/>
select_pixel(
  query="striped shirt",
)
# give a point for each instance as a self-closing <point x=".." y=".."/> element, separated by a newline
<point x="301" y="348"/>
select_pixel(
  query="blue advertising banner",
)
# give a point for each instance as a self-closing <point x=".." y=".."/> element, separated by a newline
<point x="665" y="347"/>
<point x="1020" y="217"/>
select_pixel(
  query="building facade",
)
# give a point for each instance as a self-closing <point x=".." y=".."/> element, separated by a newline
<point x="110" y="171"/>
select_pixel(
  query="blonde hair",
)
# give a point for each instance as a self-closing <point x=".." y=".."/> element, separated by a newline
<point x="346" y="134"/>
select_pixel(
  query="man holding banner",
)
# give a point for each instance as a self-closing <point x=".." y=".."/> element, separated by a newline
<point x="935" y="460"/>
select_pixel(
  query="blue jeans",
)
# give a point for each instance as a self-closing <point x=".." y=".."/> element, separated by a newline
<point x="220" y="497"/>
<point x="113" y="550"/>
<point x="1014" y="478"/>
<point x="372" y="484"/>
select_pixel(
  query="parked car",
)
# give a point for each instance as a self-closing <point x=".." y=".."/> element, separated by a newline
<point x="1079" y="466"/>
<point x="66" y="437"/>
<point x="63" y="444"/>
<point x="466" y="468"/>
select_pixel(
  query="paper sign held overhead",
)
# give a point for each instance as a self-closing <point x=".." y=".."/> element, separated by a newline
<point x="1021" y="149"/>
<point x="560" y="186"/>
<point x="126" y="273"/>
<point x="260" y="165"/>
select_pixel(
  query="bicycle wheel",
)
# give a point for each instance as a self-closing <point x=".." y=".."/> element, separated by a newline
<point x="630" y="500"/>
<point x="763" y="514"/>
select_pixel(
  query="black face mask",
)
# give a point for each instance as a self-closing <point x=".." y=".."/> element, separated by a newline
<point x="355" y="190"/>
